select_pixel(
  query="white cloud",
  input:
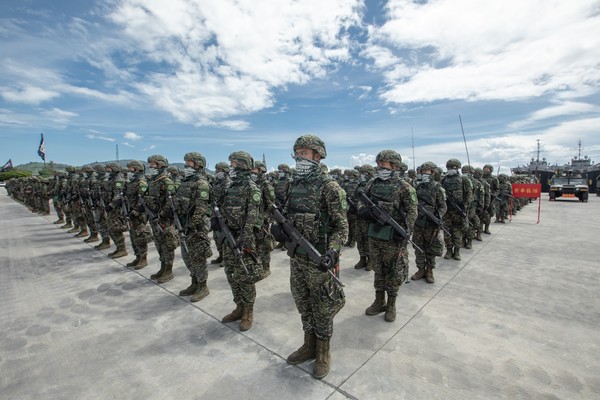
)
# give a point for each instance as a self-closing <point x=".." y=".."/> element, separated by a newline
<point x="362" y="158"/>
<point x="561" y="109"/>
<point x="151" y="147"/>
<point x="128" y="144"/>
<point x="492" y="50"/>
<point x="27" y="94"/>
<point x="132" y="136"/>
<point x="98" y="136"/>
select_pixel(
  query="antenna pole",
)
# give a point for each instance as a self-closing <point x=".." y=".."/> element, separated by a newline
<point x="465" y="139"/>
<point x="413" y="147"/>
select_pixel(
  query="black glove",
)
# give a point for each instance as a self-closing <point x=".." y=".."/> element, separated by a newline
<point x="329" y="260"/>
<point x="366" y="213"/>
<point x="141" y="209"/>
<point x="279" y="234"/>
<point x="214" y="224"/>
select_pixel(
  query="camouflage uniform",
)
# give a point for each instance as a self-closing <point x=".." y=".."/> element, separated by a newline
<point x="350" y="185"/>
<point x="193" y="203"/>
<point x="459" y="190"/>
<point x="503" y="198"/>
<point x="85" y="189"/>
<point x="475" y="208"/>
<point x="483" y="213"/>
<point x="264" y="240"/>
<point x="100" y="197"/>
<point x="240" y="210"/>
<point x="388" y="250"/>
<point x="165" y="235"/>
<point x="494" y="189"/>
<point x="281" y="187"/>
<point x="139" y="234"/>
<point x="117" y="224"/>
<point x="65" y="193"/>
<point x="367" y="172"/>
<point x="74" y="204"/>
<point x="219" y="186"/>
<point x="316" y="205"/>
<point x="54" y="189"/>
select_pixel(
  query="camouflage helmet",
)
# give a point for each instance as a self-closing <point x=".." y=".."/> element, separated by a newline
<point x="412" y="173"/>
<point x="477" y="172"/>
<point x="467" y="169"/>
<point x="284" y="168"/>
<point x="136" y="165"/>
<point x="100" y="168"/>
<point x="196" y="158"/>
<point x="367" y="169"/>
<point x="428" y="165"/>
<point x="502" y="178"/>
<point x="391" y="156"/>
<point x="244" y="160"/>
<point x="173" y="170"/>
<point x="222" y="166"/>
<point x="453" y="163"/>
<point x="114" y="166"/>
<point x="403" y="167"/>
<point x="70" y="168"/>
<point x="160" y="160"/>
<point x="489" y="166"/>
<point x="311" y="142"/>
<point x="352" y="173"/>
<point x="87" y="168"/>
<point x="260" y="166"/>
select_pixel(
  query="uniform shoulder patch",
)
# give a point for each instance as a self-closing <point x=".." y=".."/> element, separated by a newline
<point x="204" y="194"/>
<point x="256" y="197"/>
<point x="343" y="201"/>
<point x="412" y="194"/>
<point x="119" y="184"/>
<point x="143" y="187"/>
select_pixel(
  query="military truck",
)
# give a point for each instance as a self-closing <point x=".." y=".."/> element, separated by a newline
<point x="569" y="186"/>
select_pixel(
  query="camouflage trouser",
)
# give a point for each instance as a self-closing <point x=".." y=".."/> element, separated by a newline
<point x="198" y="245"/>
<point x="352" y="228"/>
<point x="475" y="224"/>
<point x="502" y="208"/>
<point x="46" y="205"/>
<point x="90" y="220"/>
<point x="389" y="260"/>
<point x="102" y="223"/>
<point x="362" y="239"/>
<point x="76" y="214"/>
<point x="166" y="241"/>
<point x="264" y="244"/>
<point x="431" y="241"/>
<point x="217" y="243"/>
<point x="456" y="225"/>
<point x="116" y="227"/>
<point x="486" y="215"/>
<point x="242" y="283"/>
<point x="140" y="235"/>
<point x="317" y="296"/>
<point x="58" y="207"/>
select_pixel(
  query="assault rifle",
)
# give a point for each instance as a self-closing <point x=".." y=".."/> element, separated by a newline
<point x="297" y="239"/>
<point x="178" y="225"/>
<point x="226" y="235"/>
<point x="152" y="218"/>
<point x="432" y="217"/>
<point x="125" y="210"/>
<point x="384" y="218"/>
<point x="458" y="208"/>
<point x="501" y="195"/>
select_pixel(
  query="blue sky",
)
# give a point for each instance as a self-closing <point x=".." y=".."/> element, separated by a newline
<point x="172" y="76"/>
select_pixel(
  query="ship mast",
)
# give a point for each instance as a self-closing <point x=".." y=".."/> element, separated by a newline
<point x="538" y="151"/>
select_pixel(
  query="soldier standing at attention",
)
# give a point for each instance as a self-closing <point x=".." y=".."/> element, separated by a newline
<point x="166" y="240"/>
<point x="503" y="198"/>
<point x="282" y="186"/>
<point x="139" y="234"/>
<point x="100" y="196"/>
<point x="316" y="205"/>
<point x="116" y="221"/>
<point x="484" y="217"/>
<point x="367" y="172"/>
<point x="194" y="198"/>
<point x="387" y="249"/>
<point x="219" y="186"/>
<point x="494" y="189"/>
<point x="54" y="189"/>
<point x="427" y="235"/>
<point x="264" y="242"/>
<point x="86" y="194"/>
<point x="459" y="195"/>
<point x="475" y="208"/>
<point x="240" y="211"/>
<point x="350" y="185"/>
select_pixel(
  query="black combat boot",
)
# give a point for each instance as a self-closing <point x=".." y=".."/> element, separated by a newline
<point x="362" y="263"/>
<point x="306" y="352"/>
<point x="217" y="260"/>
<point x="378" y="305"/>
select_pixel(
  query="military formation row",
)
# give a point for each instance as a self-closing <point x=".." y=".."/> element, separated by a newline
<point x="309" y="211"/>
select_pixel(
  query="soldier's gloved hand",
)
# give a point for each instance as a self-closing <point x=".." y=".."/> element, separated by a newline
<point x="329" y="260"/>
<point x="279" y="233"/>
<point x="366" y="213"/>
<point x="141" y="209"/>
<point x="108" y="208"/>
<point x="214" y="224"/>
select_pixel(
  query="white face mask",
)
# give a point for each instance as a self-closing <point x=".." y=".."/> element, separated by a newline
<point x="425" y="178"/>
<point x="233" y="174"/>
<point x="130" y="175"/>
<point x="188" y="171"/>
<point x="384" y="173"/>
<point x="304" y="166"/>
<point x="452" y="172"/>
<point x="220" y="175"/>
<point x="152" y="171"/>
<point x="254" y="177"/>
<point x="467" y="174"/>
<point x="282" y="174"/>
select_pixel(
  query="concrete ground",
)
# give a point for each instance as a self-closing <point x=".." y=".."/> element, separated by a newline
<point x="517" y="318"/>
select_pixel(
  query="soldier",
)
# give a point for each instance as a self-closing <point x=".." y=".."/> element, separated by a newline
<point x="367" y="172"/>
<point x="503" y="198"/>
<point x="336" y="174"/>
<point x="65" y="192"/>
<point x="459" y="196"/>
<point x="483" y="213"/>
<point x="194" y="198"/>
<point x="219" y="186"/>
<point x="240" y="211"/>
<point x="117" y="223"/>
<point x="85" y="189"/>
<point x="351" y="183"/>
<point x="54" y="189"/>
<point x="264" y="242"/>
<point x="475" y="208"/>
<point x="494" y="189"/>
<point x="166" y="240"/>
<point x="317" y="207"/>
<point x="387" y="249"/>
<point x="75" y="205"/>
<point x="139" y="232"/>
<point x="100" y="195"/>
<point x="427" y="233"/>
<point x="175" y="175"/>
<point x="282" y="186"/>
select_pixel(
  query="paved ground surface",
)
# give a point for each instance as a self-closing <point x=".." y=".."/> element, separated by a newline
<point x="517" y="318"/>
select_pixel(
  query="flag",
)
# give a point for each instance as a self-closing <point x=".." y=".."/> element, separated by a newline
<point x="42" y="149"/>
<point x="7" y="166"/>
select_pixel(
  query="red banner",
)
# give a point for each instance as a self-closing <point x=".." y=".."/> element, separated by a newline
<point x="529" y="190"/>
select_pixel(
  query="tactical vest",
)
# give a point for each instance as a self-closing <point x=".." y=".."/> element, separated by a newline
<point x="132" y="189"/>
<point x="380" y="192"/>
<point x="303" y="206"/>
<point x="235" y="203"/>
<point x="281" y="187"/>
<point x="158" y="191"/>
<point x="454" y="188"/>
<point x="504" y="187"/>
<point x="427" y="194"/>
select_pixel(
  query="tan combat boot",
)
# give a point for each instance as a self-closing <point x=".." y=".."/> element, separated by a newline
<point x="306" y="352"/>
<point x="418" y="275"/>
<point x="92" y="238"/>
<point x="201" y="292"/>
<point x="390" y="309"/>
<point x="456" y="254"/>
<point x="143" y="261"/>
<point x="469" y="243"/>
<point x="82" y="233"/>
<point x="378" y="305"/>
<point x="448" y="254"/>
<point x="266" y="270"/>
<point x="59" y="221"/>
<point x="323" y="359"/>
<point x="168" y="274"/>
<point x="235" y="315"/>
<point x="134" y="262"/>
<point x="69" y="224"/>
<point x="478" y="236"/>
<point x="190" y="290"/>
<point x="369" y="267"/>
<point x="120" y="252"/>
<point x="362" y="263"/>
<point x="104" y="244"/>
<point x="247" y="316"/>
<point x="74" y="229"/>
<point x="429" y="275"/>
<point x="160" y="272"/>
<point x="487" y="229"/>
